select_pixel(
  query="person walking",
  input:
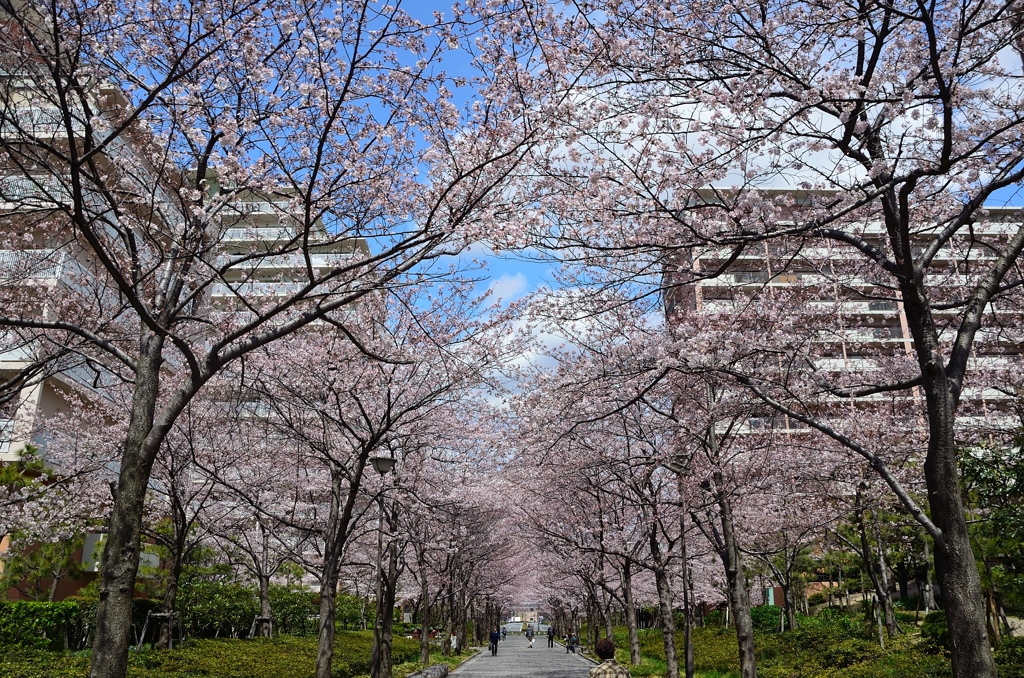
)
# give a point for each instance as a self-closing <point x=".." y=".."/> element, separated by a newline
<point x="504" y="632"/>
<point x="551" y="636"/>
<point x="529" y="635"/>
<point x="495" y="637"/>
<point x="608" y="668"/>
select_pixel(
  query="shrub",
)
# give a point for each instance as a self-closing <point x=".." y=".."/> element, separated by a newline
<point x="848" y="652"/>
<point x="837" y="621"/>
<point x="64" y="625"/>
<point x="935" y="633"/>
<point x="1010" y="658"/>
<point x="295" y="611"/>
<point x="212" y="609"/>
<point x="766" y="617"/>
<point x="279" y="657"/>
<point x="350" y="610"/>
<point x="714" y="618"/>
<point x="41" y="625"/>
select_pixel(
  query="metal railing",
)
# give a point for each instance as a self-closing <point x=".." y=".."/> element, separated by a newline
<point x="30" y="264"/>
<point x="257" y="234"/>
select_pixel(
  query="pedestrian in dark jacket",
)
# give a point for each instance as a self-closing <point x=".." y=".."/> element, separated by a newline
<point x="495" y="637"/>
<point x="551" y="636"/>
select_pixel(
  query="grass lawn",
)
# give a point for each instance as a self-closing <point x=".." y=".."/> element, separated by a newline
<point x="280" y="657"/>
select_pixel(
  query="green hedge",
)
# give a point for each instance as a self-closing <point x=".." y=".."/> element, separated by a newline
<point x="1010" y="658"/>
<point x="208" y="610"/>
<point x="45" y="626"/>
<point x="217" y="609"/>
<point x="765" y="617"/>
<point x="295" y="610"/>
<point x="64" y="625"/>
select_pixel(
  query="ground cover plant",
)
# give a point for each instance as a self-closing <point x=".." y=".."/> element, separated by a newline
<point x="278" y="657"/>
<point x="830" y="645"/>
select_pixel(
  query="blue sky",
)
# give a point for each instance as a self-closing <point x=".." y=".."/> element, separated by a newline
<point x="511" y="277"/>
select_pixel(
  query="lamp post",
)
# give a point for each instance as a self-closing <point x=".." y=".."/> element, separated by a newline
<point x="383" y="466"/>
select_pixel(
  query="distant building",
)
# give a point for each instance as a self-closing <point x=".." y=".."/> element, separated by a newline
<point x="526" y="613"/>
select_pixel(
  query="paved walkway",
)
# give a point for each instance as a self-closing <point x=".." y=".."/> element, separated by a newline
<point x="516" y="660"/>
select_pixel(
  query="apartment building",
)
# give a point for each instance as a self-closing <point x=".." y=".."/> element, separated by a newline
<point x="257" y="240"/>
<point x="253" y="224"/>
<point x="854" y="317"/>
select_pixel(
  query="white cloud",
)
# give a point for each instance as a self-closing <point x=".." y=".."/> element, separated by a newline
<point x="509" y="287"/>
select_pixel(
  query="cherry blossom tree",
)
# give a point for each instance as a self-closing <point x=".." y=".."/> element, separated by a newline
<point x="877" y="135"/>
<point x="184" y="507"/>
<point x="137" y="137"/>
<point x="342" y="397"/>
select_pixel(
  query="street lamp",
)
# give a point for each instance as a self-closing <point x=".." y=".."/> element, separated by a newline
<point x="383" y="466"/>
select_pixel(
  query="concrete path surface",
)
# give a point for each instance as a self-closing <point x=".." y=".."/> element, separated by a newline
<point x="515" y="659"/>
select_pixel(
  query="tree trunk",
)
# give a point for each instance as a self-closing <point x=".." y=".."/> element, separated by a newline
<point x="883" y="577"/>
<point x="387" y="618"/>
<point x="609" y="629"/>
<point x="668" y="630"/>
<point x="325" y="626"/>
<point x="627" y="596"/>
<point x="449" y="626"/>
<point x="120" y="563"/>
<point x="875" y="572"/>
<point x="789" y="603"/>
<point x="329" y="583"/>
<point x="688" y="658"/>
<point x="53" y="587"/>
<point x="668" y="627"/>
<point x="460" y="628"/>
<point x="739" y="599"/>
<point x="170" y="599"/>
<point x="338" y="521"/>
<point x="954" y="559"/>
<point x="929" y="600"/>
<point x="265" y="628"/>
<point x="903" y="579"/>
<point x="425" y="623"/>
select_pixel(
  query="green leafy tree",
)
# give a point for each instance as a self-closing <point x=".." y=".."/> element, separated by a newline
<point x="993" y="484"/>
<point x="36" y="569"/>
<point x="32" y="567"/>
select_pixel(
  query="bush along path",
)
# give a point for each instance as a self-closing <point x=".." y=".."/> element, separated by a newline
<point x="278" y="657"/>
<point x="829" y="645"/>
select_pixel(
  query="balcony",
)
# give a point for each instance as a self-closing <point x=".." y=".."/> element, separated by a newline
<point x="39" y="121"/>
<point x="245" y="235"/>
<point x="16" y="265"/>
<point x="255" y="289"/>
<point x="287" y="262"/>
<point x="6" y="433"/>
<point x="33" y="192"/>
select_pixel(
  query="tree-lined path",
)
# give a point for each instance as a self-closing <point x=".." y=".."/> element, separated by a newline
<point x="515" y="659"/>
